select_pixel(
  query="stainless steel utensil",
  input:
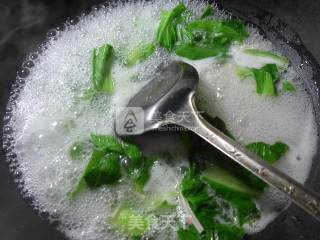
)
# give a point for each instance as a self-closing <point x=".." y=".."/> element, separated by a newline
<point x="172" y="91"/>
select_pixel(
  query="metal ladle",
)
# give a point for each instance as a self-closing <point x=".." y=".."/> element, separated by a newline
<point x="173" y="91"/>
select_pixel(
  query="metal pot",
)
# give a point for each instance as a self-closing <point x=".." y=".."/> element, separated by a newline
<point x="24" y="25"/>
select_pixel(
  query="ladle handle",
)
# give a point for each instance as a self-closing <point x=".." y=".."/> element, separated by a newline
<point x="302" y="196"/>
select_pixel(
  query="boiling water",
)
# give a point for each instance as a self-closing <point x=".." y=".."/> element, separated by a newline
<point x="49" y="115"/>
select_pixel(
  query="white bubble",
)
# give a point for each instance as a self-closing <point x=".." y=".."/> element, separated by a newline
<point x="48" y="116"/>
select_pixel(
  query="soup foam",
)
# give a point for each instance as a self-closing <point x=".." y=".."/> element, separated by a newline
<point x="49" y="115"/>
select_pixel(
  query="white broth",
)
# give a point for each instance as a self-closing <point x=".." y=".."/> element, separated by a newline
<point x="49" y="116"/>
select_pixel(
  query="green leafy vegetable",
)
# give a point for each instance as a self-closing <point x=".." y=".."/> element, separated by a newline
<point x="191" y="234"/>
<point x="272" y="69"/>
<point x="207" y="210"/>
<point x="227" y="31"/>
<point x="160" y="203"/>
<point x="208" y="11"/>
<point x="196" y="193"/>
<point x="102" y="63"/>
<point x="288" y="87"/>
<point x="134" y="153"/>
<point x="210" y="38"/>
<point x="228" y="232"/>
<point x="248" y="178"/>
<point x="266" y="78"/>
<point x="167" y="33"/>
<point x="131" y="222"/>
<point x="102" y="169"/>
<point x="141" y="174"/>
<point x="196" y="51"/>
<point x="224" y="182"/>
<point x="264" y="83"/>
<point x="106" y="143"/>
<point x="105" y="165"/>
<point x="137" y="166"/>
<point x="278" y="59"/>
<point x="245" y="208"/>
<point x="232" y="189"/>
<point x="201" y="38"/>
<point x="269" y="153"/>
<point x="244" y="72"/>
<point x="140" y="53"/>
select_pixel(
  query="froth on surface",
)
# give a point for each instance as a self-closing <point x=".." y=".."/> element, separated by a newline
<point x="49" y="116"/>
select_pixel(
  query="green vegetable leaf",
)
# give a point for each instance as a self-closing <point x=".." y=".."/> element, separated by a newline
<point x="277" y="59"/>
<point x="141" y="175"/>
<point x="228" y="232"/>
<point x="137" y="166"/>
<point x="167" y="31"/>
<point x="134" y="153"/>
<point x="225" y="183"/>
<point x="266" y="77"/>
<point x="232" y="30"/>
<point x="159" y="204"/>
<point x="208" y="11"/>
<point x="264" y="83"/>
<point x="111" y="143"/>
<point x="288" y="87"/>
<point x="105" y="166"/>
<point x="102" y="169"/>
<point x="131" y="222"/>
<point x="196" y="193"/>
<point x="190" y="233"/>
<point x="106" y="143"/>
<point x="201" y="38"/>
<point x="97" y="172"/>
<point x="102" y="63"/>
<point x="235" y="191"/>
<point x="245" y="208"/>
<point x="269" y="153"/>
<point x="207" y="210"/>
<point x="272" y="69"/>
<point x="196" y="51"/>
<point x="140" y="53"/>
<point x="244" y="72"/>
<point x="210" y="38"/>
<point x="248" y="178"/>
